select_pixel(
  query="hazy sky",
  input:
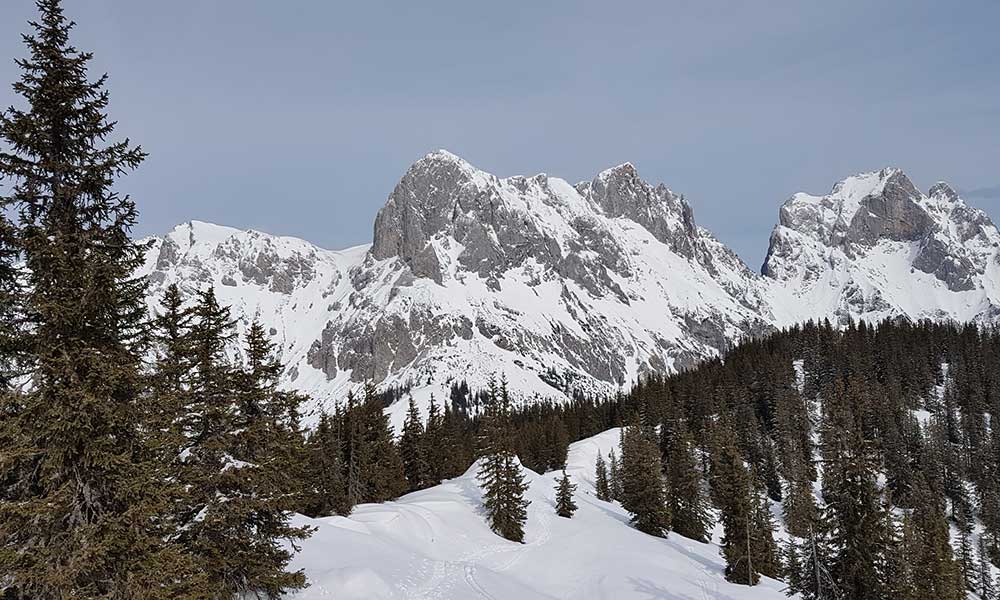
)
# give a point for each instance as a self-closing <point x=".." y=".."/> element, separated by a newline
<point x="299" y="117"/>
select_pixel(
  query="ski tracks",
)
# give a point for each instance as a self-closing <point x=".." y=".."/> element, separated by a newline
<point x="444" y="575"/>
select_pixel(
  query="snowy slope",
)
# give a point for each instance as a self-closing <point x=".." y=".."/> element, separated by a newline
<point x="577" y="287"/>
<point x="436" y="544"/>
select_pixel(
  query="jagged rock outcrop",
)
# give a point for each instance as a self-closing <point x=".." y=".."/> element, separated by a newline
<point x="584" y="287"/>
<point x="875" y="247"/>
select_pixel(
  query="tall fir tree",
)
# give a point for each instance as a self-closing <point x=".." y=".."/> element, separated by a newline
<point x="806" y="569"/>
<point x="565" y="507"/>
<point x="854" y="502"/>
<point x="434" y="444"/>
<point x="687" y="500"/>
<point x="326" y="493"/>
<point x="263" y="481"/>
<point x="985" y="584"/>
<point x="642" y="481"/>
<point x="603" y="488"/>
<point x="614" y="475"/>
<point x="413" y="447"/>
<point x="87" y="520"/>
<point x="747" y="541"/>
<point x="499" y="472"/>
<point x="937" y="573"/>
<point x="374" y="468"/>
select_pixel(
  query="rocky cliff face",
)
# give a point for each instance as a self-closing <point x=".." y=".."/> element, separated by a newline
<point x="582" y="287"/>
<point x="875" y="247"/>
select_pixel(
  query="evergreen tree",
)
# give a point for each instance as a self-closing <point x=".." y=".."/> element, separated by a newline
<point x="262" y="482"/>
<point x="326" y="493"/>
<point x="89" y="516"/>
<point x="243" y="448"/>
<point x="902" y="557"/>
<point x="565" y="507"/>
<point x="854" y="501"/>
<point x="937" y="574"/>
<point x="500" y="472"/>
<point x="806" y="569"/>
<point x="689" y="506"/>
<point x="985" y="585"/>
<point x="615" y="476"/>
<point x="435" y="445"/>
<point x="642" y="482"/>
<point x="171" y="376"/>
<point x="412" y="449"/>
<point x="374" y="467"/>
<point x="747" y="542"/>
<point x="601" y="479"/>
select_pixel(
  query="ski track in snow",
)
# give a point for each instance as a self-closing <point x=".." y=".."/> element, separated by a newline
<point x="436" y="544"/>
<point x="445" y="574"/>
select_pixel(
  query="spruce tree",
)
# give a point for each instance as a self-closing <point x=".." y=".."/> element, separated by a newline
<point x="739" y="506"/>
<point x="938" y="575"/>
<point x="603" y="489"/>
<point x="262" y="483"/>
<point x="412" y="449"/>
<point x="434" y="444"/>
<point x="374" y="468"/>
<point x="614" y="475"/>
<point x="499" y="472"/>
<point x="326" y="493"/>
<point x="565" y="507"/>
<point x="89" y="518"/>
<point x="171" y="376"/>
<point x="985" y="584"/>
<point x="854" y="501"/>
<point x="767" y="559"/>
<point x="642" y="481"/>
<point x="689" y="505"/>
<point x="806" y="569"/>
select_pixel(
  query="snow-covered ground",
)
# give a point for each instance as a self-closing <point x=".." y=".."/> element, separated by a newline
<point x="435" y="544"/>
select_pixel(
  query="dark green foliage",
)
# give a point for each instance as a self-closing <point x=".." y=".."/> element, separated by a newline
<point x="499" y="472"/>
<point x="82" y="485"/>
<point x="565" y="507"/>
<point x="374" y="467"/>
<point x="614" y="476"/>
<point x="601" y="478"/>
<point x="326" y="484"/>
<point x="747" y="543"/>
<point x="806" y="569"/>
<point x="854" y="503"/>
<point x="643" y="494"/>
<point x="686" y="496"/>
<point x="928" y="553"/>
<point x="413" y="449"/>
<point x="985" y="586"/>
<point x="434" y="445"/>
<point x="241" y="461"/>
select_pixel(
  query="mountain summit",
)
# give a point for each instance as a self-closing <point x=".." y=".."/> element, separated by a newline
<point x="584" y="287"/>
<point x="876" y="247"/>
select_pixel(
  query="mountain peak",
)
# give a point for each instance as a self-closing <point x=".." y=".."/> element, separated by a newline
<point x="942" y="191"/>
<point x="443" y="156"/>
<point x="626" y="169"/>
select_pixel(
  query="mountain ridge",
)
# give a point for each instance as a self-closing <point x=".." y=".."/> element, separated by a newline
<point x="586" y="287"/>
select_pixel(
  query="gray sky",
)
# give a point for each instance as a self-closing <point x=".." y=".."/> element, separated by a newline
<point x="299" y="117"/>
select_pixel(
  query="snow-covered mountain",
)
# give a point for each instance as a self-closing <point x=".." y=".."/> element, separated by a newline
<point x="876" y="247"/>
<point x="578" y="287"/>
<point x="435" y="544"/>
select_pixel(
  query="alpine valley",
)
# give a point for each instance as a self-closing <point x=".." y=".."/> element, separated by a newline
<point x="569" y="288"/>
